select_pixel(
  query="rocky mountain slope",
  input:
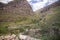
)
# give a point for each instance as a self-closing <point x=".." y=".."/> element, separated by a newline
<point x="14" y="9"/>
<point x="17" y="8"/>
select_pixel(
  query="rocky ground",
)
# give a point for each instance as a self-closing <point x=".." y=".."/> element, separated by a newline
<point x="17" y="37"/>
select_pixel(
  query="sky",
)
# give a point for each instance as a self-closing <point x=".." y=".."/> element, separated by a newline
<point x="5" y="1"/>
<point x="38" y="4"/>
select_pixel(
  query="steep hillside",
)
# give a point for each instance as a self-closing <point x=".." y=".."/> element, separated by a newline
<point x="15" y="9"/>
<point x="43" y="11"/>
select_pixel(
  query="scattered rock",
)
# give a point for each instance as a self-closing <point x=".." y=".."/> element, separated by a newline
<point x="8" y="37"/>
<point x="25" y="37"/>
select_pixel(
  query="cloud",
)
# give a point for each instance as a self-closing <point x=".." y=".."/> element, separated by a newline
<point x="5" y="1"/>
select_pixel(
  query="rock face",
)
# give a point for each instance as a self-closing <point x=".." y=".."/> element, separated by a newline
<point x="17" y="6"/>
<point x="14" y="9"/>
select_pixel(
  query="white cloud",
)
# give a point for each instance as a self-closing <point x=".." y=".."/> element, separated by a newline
<point x="5" y="1"/>
<point x="38" y="5"/>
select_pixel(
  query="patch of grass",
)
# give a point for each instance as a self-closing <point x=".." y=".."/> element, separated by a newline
<point x="27" y="22"/>
<point x="3" y="30"/>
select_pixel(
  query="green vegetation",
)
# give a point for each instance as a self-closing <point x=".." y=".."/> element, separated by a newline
<point x="22" y="23"/>
<point x="50" y="24"/>
<point x="3" y="30"/>
<point x="51" y="27"/>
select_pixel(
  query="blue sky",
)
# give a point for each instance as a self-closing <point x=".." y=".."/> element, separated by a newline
<point x="38" y="4"/>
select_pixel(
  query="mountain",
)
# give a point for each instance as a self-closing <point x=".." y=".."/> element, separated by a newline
<point x="14" y="9"/>
<point x="44" y="10"/>
<point x="17" y="8"/>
